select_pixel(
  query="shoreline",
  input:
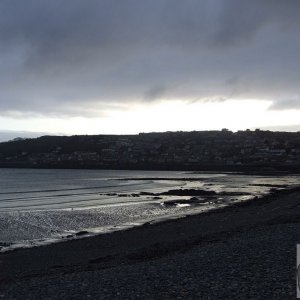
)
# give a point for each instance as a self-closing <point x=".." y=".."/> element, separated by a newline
<point x="91" y="232"/>
<point x="133" y="245"/>
<point x="262" y="170"/>
<point x="171" y="200"/>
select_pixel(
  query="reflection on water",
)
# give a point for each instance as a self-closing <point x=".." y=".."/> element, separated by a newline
<point x="42" y="204"/>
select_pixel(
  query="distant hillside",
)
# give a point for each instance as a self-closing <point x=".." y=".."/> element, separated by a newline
<point x="8" y="135"/>
<point x="197" y="150"/>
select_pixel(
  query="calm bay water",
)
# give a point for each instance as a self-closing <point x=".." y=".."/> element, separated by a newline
<point x="38" y="206"/>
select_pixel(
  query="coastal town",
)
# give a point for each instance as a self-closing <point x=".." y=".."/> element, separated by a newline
<point x="195" y="150"/>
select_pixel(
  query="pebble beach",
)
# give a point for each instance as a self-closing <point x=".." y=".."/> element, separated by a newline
<point x="245" y="251"/>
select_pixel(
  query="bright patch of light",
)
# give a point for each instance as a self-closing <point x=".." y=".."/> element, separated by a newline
<point x="164" y="116"/>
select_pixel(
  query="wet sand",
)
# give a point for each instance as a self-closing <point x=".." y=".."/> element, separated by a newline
<point x="152" y="243"/>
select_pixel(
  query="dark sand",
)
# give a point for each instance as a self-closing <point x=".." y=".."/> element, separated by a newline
<point x="170" y="260"/>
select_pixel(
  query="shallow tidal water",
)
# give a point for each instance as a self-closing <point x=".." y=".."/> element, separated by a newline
<point x="41" y="206"/>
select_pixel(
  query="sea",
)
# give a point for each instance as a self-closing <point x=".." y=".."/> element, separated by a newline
<point x="40" y="206"/>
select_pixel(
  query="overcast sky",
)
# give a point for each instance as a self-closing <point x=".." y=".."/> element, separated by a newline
<point x="100" y="66"/>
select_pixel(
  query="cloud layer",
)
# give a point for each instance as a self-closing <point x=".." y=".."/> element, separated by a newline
<point x="80" y="57"/>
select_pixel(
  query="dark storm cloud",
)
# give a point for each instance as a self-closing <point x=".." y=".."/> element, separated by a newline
<point x="292" y="103"/>
<point x="155" y="92"/>
<point x="70" y="57"/>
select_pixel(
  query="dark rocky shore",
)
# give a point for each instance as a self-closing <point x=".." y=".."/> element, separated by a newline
<point x="245" y="251"/>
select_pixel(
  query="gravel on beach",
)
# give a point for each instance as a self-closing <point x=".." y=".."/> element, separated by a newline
<point x="251" y="262"/>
